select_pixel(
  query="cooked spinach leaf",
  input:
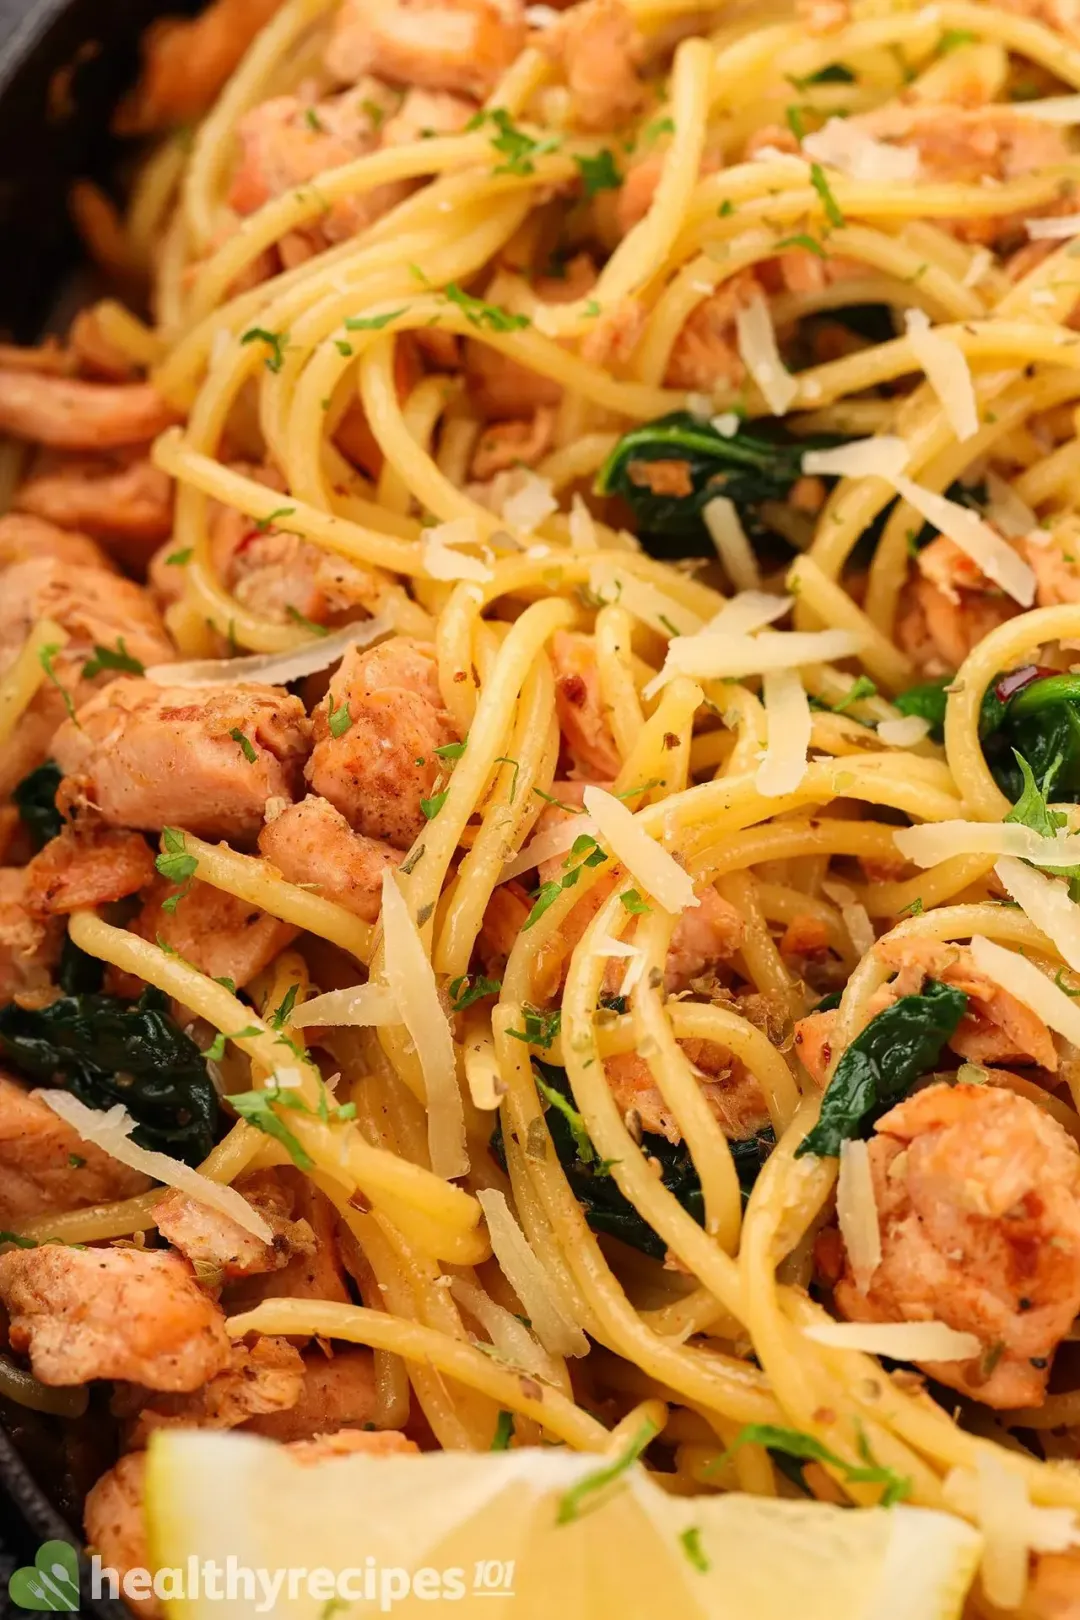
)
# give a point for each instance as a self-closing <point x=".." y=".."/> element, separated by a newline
<point x="749" y="468"/>
<point x="105" y="1050"/>
<point x="883" y="1061"/>
<point x="596" y="1190"/>
<point x="35" y="800"/>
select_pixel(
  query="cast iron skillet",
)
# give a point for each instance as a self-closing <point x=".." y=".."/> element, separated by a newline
<point x="63" y="65"/>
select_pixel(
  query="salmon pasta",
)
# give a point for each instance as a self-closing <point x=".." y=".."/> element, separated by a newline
<point x="540" y="710"/>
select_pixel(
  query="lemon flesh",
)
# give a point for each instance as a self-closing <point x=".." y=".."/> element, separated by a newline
<point x="485" y="1527"/>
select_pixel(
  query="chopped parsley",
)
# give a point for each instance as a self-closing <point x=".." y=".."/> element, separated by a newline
<point x="45" y="658"/>
<point x="244" y="744"/>
<point x="339" y="719"/>
<point x="177" y="559"/>
<point x="275" y="342"/>
<point x="479" y="314"/>
<point x="690" y="1541"/>
<point x="862" y="687"/>
<point x="504" y="1432"/>
<point x="586" y="852"/>
<point x="262" y="524"/>
<point x="175" y="864"/>
<point x="578" y="1130"/>
<point x="308" y="624"/>
<point x="541" y="1026"/>
<point x="633" y="903"/>
<point x="570" y="1504"/>
<point x="313" y="121"/>
<point x="658" y="127"/>
<point x="432" y="806"/>
<point x="464" y="990"/>
<point x="116" y="657"/>
<point x="835" y="73"/>
<point x="512" y="143"/>
<point x="599" y="173"/>
<point x="450" y="750"/>
<point x="802" y="239"/>
<point x="282" y="1013"/>
<point x="373" y="323"/>
<point x="832" y="208"/>
<point x="794" y="1443"/>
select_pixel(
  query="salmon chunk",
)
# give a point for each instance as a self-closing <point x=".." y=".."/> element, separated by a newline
<point x="978" y="1196"/>
<point x="69" y="414"/>
<point x="224" y="937"/>
<point x="149" y="756"/>
<point x="384" y="763"/>
<point x="459" y="45"/>
<point x="29" y="945"/>
<point x="24" y="538"/>
<point x="338" y="1393"/>
<point x="88" y="865"/>
<point x="218" y="1248"/>
<point x="267" y="1378"/>
<point x="123" y="501"/>
<point x="95" y="606"/>
<point x="585" y="726"/>
<point x="114" y="1519"/>
<point x="45" y="1165"/>
<point x="133" y="1314"/>
<point x="311" y="843"/>
<point x="314" y="1270"/>
<point x="600" y="50"/>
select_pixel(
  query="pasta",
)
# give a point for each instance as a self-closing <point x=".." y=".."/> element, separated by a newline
<point x="669" y="420"/>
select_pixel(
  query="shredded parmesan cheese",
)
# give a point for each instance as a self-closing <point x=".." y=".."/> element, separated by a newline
<point x="747" y="612"/>
<point x="941" y="840"/>
<point x="857" y="1213"/>
<point x="1056" y="229"/>
<point x="645" y="601"/>
<point x="883" y="456"/>
<point x="856" y="919"/>
<point x="996" y="1499"/>
<point x="442" y="561"/>
<point x="530" y="504"/>
<point x="727" y="424"/>
<point x="903" y="1341"/>
<point x="761" y="357"/>
<point x="844" y="146"/>
<point x="582" y="527"/>
<point x="980" y="262"/>
<point x="552" y="1319"/>
<point x="1046" y="901"/>
<point x="905" y="732"/>
<point x="276" y="669"/>
<point x="975" y="538"/>
<point x="411" y="980"/>
<point x="360" y="1005"/>
<point x="731" y="542"/>
<point x="1054" y="110"/>
<point x="111" y="1131"/>
<point x="657" y="872"/>
<point x="552" y="841"/>
<point x="1023" y="980"/>
<point x="947" y="372"/>
<point x="709" y="656"/>
<point x="787" y="710"/>
<point x="1006" y="510"/>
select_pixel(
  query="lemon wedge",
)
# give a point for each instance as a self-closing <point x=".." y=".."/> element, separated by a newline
<point x="536" y="1531"/>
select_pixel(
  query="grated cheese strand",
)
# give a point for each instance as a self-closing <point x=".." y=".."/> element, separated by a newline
<point x="537" y="1289"/>
<point x="360" y="1005"/>
<point x="1046" y="901"/>
<point x="883" y="456"/>
<point x="658" y="873"/>
<point x="787" y="710"/>
<point x="1023" y="980"/>
<point x="976" y="539"/>
<point x="111" y="1131"/>
<point x="276" y="669"/>
<point x="947" y="372"/>
<point x="411" y="980"/>
<point x="942" y="840"/>
<point x="857" y="1212"/>
<point x="732" y="543"/>
<point x="761" y="357"/>
<point x="842" y="145"/>
<point x="903" y="1341"/>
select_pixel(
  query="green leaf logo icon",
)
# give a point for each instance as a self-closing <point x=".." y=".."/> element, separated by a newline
<point x="52" y="1584"/>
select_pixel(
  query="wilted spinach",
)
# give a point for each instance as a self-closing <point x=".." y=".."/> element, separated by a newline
<point x="35" y="800"/>
<point x="748" y="468"/>
<point x="105" y="1050"/>
<point x="894" y="1050"/>
<point x="596" y="1190"/>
